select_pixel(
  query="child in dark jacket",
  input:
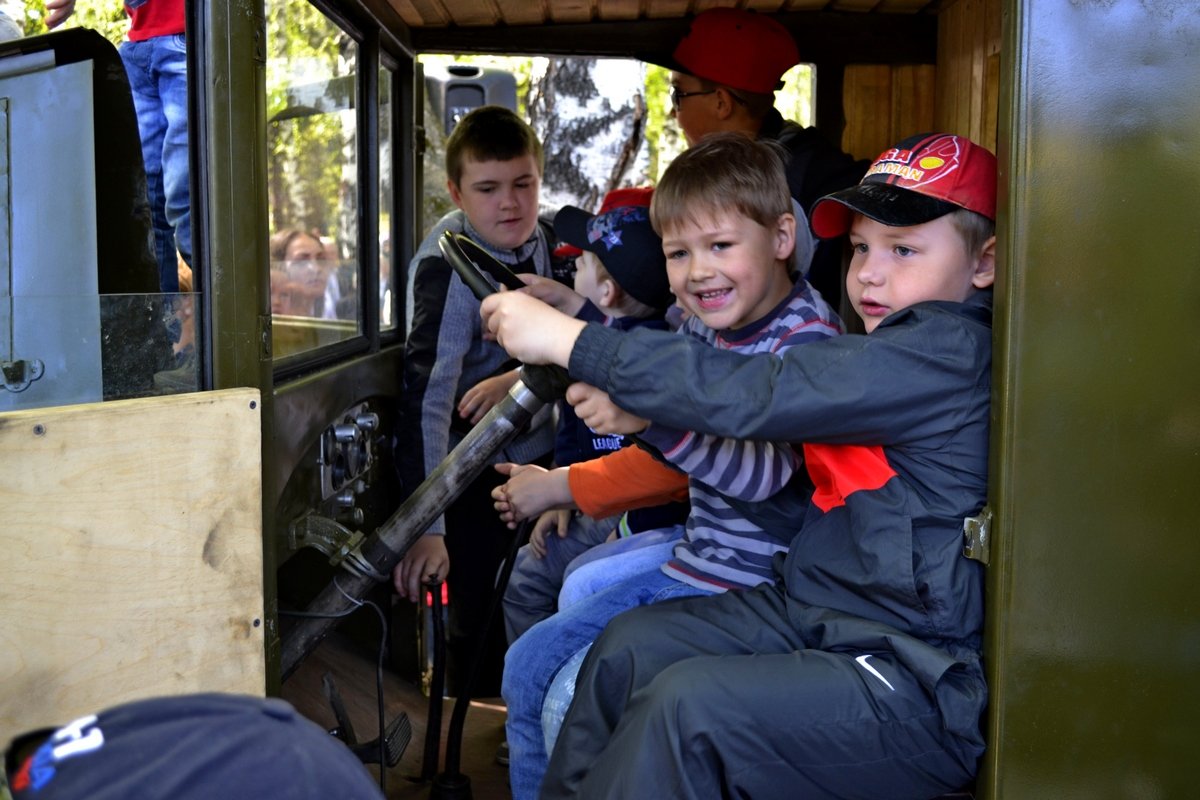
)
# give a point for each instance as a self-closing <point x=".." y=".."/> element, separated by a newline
<point x="856" y="673"/>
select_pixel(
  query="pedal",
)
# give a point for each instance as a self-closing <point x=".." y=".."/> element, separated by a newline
<point x="396" y="738"/>
<point x="344" y="729"/>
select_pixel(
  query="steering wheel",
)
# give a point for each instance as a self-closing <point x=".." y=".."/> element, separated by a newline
<point x="548" y="381"/>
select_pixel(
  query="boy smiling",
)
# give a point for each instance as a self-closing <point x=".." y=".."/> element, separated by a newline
<point x="725" y="216"/>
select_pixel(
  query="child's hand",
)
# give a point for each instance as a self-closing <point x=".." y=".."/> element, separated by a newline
<point x="601" y="414"/>
<point x="553" y="293"/>
<point x="529" y="329"/>
<point x="555" y="521"/>
<point x="479" y="399"/>
<point x="425" y="559"/>
<point x="530" y="490"/>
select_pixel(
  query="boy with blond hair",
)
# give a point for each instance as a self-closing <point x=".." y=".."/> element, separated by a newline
<point x="855" y="672"/>
<point x="728" y="233"/>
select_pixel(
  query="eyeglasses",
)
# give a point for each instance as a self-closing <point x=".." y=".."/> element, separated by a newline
<point x="678" y="94"/>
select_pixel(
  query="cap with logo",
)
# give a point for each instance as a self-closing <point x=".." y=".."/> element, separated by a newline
<point x="624" y="241"/>
<point x="920" y="179"/>
<point x="192" y="747"/>
<point x="736" y="48"/>
<point x="626" y="196"/>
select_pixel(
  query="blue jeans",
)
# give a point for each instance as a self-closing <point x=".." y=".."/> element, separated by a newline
<point x="613" y="562"/>
<point x="534" y="659"/>
<point x="532" y="592"/>
<point x="157" y="70"/>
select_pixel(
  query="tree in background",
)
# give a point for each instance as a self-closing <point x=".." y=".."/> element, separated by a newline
<point x="107" y="17"/>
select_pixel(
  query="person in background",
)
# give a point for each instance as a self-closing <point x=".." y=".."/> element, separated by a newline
<point x="621" y="282"/>
<point x="299" y="273"/>
<point x="724" y="74"/>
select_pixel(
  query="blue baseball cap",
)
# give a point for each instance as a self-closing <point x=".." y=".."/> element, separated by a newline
<point x="624" y="241"/>
<point x="188" y="747"/>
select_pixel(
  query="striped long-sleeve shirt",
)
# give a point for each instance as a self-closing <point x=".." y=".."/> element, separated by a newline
<point x="722" y="549"/>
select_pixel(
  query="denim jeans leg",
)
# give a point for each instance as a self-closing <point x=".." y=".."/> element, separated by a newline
<point x="170" y="68"/>
<point x="535" y="658"/>
<point x="613" y="561"/>
<point x="532" y="592"/>
<point x="157" y="70"/>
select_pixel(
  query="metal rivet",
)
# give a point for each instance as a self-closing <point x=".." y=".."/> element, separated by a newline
<point x="39" y="430"/>
<point x="253" y="404"/>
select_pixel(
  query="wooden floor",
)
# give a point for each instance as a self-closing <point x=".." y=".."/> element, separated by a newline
<point x="353" y="672"/>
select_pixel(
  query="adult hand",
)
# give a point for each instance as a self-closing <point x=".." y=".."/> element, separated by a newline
<point x="479" y="399"/>
<point x="530" y="330"/>
<point x="427" y="559"/>
<point x="600" y="413"/>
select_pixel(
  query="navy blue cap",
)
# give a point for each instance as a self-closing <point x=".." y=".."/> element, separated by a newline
<point x="193" y="747"/>
<point x="627" y="245"/>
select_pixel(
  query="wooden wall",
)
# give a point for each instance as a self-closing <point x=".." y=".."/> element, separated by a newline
<point x="132" y="554"/>
<point x="884" y="104"/>
<point x="968" y="85"/>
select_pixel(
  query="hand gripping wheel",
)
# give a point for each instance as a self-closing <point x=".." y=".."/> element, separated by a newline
<point x="548" y="381"/>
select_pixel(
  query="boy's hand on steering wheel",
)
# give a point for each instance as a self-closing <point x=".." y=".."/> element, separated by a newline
<point x="530" y="330"/>
<point x="600" y="413"/>
<point x="553" y="293"/>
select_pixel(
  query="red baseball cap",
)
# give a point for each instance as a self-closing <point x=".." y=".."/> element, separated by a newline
<point x="627" y="196"/>
<point x="736" y="48"/>
<point x="922" y="178"/>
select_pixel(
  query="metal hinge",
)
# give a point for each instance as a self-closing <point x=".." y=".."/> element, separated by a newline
<point x="977" y="536"/>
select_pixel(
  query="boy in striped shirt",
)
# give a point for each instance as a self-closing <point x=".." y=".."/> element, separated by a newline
<point x="728" y="229"/>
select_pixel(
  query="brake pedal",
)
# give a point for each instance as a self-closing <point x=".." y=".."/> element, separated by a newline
<point x="396" y="738"/>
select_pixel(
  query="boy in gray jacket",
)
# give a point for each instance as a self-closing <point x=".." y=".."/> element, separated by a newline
<point x="494" y="169"/>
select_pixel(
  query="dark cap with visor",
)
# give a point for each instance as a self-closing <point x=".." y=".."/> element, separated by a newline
<point x="188" y="747"/>
<point x="922" y="178"/>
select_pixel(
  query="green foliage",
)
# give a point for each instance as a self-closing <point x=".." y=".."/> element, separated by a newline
<point x="310" y="80"/>
<point x="104" y="16"/>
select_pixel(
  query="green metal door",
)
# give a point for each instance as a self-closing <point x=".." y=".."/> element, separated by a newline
<point x="1094" y="623"/>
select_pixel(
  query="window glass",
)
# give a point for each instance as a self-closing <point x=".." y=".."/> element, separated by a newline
<point x="312" y="178"/>
<point x="387" y="294"/>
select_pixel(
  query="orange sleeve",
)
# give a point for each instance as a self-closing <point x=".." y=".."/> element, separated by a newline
<point x="626" y="479"/>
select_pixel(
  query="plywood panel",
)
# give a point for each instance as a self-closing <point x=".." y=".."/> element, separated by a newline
<point x="132" y="543"/>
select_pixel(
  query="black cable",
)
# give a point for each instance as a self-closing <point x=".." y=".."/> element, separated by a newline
<point x="383" y="766"/>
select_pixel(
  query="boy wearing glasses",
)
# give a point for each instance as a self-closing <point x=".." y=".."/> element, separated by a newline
<point x="724" y="74"/>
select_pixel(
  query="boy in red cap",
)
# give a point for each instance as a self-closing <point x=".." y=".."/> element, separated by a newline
<point x="857" y="672"/>
<point x="725" y="71"/>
